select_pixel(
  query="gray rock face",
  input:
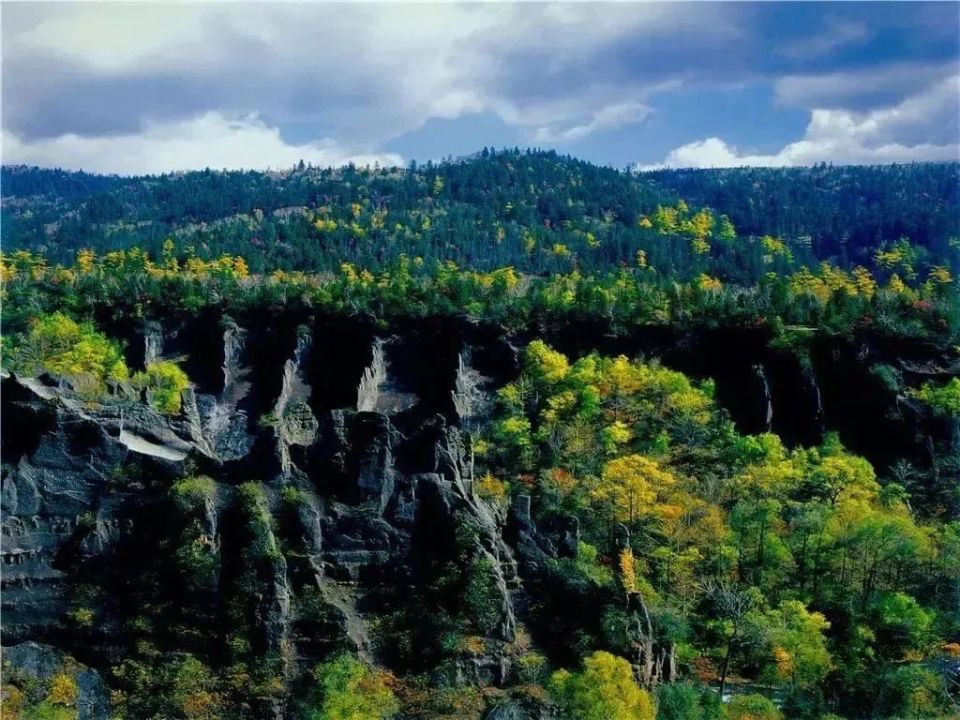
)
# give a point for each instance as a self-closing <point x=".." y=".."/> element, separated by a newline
<point x="472" y="398"/>
<point x="521" y="710"/>
<point x="53" y="495"/>
<point x="42" y="662"/>
<point x="375" y="491"/>
<point x="377" y="391"/>
<point x="767" y="398"/>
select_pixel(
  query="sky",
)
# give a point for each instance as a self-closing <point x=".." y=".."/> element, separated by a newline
<point x="136" y="88"/>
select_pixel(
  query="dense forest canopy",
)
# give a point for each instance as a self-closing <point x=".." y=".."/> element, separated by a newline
<point x="536" y="211"/>
<point x="400" y="443"/>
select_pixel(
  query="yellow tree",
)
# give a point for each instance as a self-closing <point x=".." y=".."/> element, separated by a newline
<point x="604" y="690"/>
<point x="629" y="486"/>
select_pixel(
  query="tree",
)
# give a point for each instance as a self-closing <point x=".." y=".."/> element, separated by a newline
<point x="791" y="642"/>
<point x="165" y="383"/>
<point x="76" y="351"/>
<point x="347" y="689"/>
<point x="732" y="604"/>
<point x="902" y="624"/>
<point x="629" y="486"/>
<point x="752" y="707"/>
<point x="678" y="701"/>
<point x="603" y="690"/>
<point x="913" y="692"/>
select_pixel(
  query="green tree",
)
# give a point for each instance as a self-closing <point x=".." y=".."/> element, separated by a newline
<point x="917" y="692"/>
<point x="604" y="690"/>
<point x="165" y="383"/>
<point x="752" y="707"/>
<point x="347" y="689"/>
<point x="678" y="701"/>
<point x="792" y="643"/>
<point x="76" y="351"/>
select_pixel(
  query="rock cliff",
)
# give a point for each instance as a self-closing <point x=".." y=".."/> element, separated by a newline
<point x="357" y="441"/>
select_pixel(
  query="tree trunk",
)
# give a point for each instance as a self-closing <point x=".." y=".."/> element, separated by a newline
<point x="726" y="662"/>
<point x="644" y="633"/>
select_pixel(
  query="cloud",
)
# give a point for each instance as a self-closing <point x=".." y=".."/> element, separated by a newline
<point x="365" y="74"/>
<point x="861" y="89"/>
<point x="844" y="137"/>
<point x="606" y="118"/>
<point x="362" y="73"/>
<point x="209" y="140"/>
<point x="838" y="34"/>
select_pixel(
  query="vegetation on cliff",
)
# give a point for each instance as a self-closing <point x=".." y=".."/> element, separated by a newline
<point x="605" y="543"/>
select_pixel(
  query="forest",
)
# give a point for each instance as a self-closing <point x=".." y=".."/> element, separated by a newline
<point x="512" y="437"/>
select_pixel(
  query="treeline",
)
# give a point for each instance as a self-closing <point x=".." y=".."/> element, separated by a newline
<point x="536" y="211"/>
<point x="846" y="212"/>
<point x="792" y="305"/>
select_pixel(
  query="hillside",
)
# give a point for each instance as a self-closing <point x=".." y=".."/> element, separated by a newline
<point x="512" y="438"/>
<point x="536" y="211"/>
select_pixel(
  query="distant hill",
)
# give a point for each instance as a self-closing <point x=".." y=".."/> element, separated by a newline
<point x="537" y="211"/>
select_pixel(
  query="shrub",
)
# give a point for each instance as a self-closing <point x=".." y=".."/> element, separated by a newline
<point x="481" y="595"/>
<point x="165" y="383"/>
<point x="347" y="689"/>
<point x="192" y="493"/>
<point x="604" y="690"/>
<point x="752" y="707"/>
<point x="491" y="489"/>
<point x="75" y="351"/>
<point x="531" y="668"/>
<point x="943" y="400"/>
<point x="678" y="701"/>
<point x="82" y="617"/>
<point x="916" y="692"/>
<point x="256" y="515"/>
<point x="588" y="564"/>
<point x="60" y="702"/>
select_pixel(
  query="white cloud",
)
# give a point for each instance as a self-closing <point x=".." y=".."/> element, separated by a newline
<point x="606" y="118"/>
<point x="112" y="74"/>
<point x="844" y="137"/>
<point x="209" y="140"/>
<point x="363" y="73"/>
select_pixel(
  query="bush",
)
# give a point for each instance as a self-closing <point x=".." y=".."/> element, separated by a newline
<point x="752" y="707"/>
<point x="943" y="400"/>
<point x="491" y="489"/>
<point x="193" y="493"/>
<point x="531" y="668"/>
<point x="178" y="688"/>
<point x="678" y="701"/>
<point x="604" y="690"/>
<point x="481" y="595"/>
<point x="75" y="351"/>
<point x="256" y="517"/>
<point x="165" y="383"/>
<point x="588" y="564"/>
<point x="349" y="690"/>
<point x="916" y="692"/>
<point x="60" y="702"/>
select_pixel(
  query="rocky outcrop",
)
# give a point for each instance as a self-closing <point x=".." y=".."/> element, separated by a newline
<point x="380" y="491"/>
<point x="293" y="420"/>
<point x="378" y="390"/>
<point x="42" y="662"/>
<point x="55" y="489"/>
<point x="362" y="450"/>
<point x="472" y="396"/>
